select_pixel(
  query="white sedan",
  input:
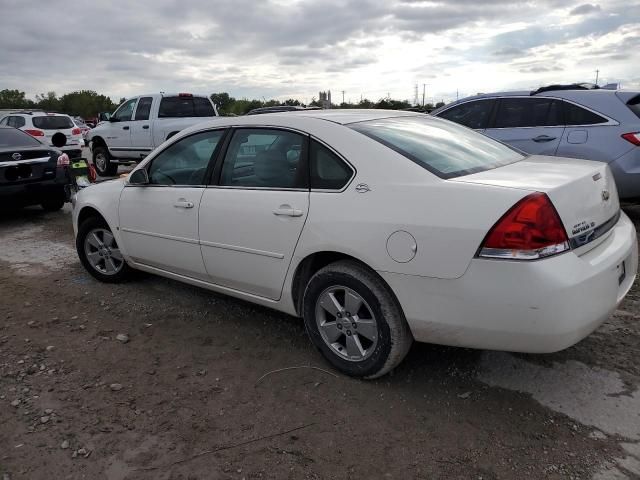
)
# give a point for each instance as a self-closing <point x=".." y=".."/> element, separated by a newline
<point x="376" y="227"/>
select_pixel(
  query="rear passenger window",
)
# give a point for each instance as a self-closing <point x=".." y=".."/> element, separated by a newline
<point x="527" y="112"/>
<point x="264" y="158"/>
<point x="470" y="114"/>
<point x="328" y="171"/>
<point x="144" y="108"/>
<point x="576" y="115"/>
<point x="16" y="122"/>
<point x="185" y="106"/>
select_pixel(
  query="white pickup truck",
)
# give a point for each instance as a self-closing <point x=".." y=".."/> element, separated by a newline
<point x="142" y="123"/>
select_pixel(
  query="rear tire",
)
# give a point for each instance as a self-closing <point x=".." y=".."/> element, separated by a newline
<point x="102" y="161"/>
<point x="53" y="202"/>
<point x="367" y="342"/>
<point x="99" y="253"/>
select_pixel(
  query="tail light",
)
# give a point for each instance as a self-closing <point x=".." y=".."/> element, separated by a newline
<point x="531" y="229"/>
<point x="632" y="137"/>
<point x="63" y="160"/>
<point x="76" y="131"/>
<point x="35" y="133"/>
<point x="187" y="95"/>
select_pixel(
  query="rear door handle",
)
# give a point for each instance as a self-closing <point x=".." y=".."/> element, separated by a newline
<point x="125" y="128"/>
<point x="543" y="138"/>
<point x="287" y="211"/>
<point x="146" y="127"/>
<point x="182" y="203"/>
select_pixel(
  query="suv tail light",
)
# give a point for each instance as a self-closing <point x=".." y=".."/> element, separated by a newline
<point x="35" y="133"/>
<point x="76" y="131"/>
<point x="189" y="95"/>
<point x="63" y="160"/>
<point x="531" y="229"/>
<point x="632" y="137"/>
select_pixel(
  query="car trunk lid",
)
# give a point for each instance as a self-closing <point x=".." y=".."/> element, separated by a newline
<point x="26" y="164"/>
<point x="583" y="193"/>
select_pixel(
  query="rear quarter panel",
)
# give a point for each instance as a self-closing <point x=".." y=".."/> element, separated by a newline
<point x="448" y="220"/>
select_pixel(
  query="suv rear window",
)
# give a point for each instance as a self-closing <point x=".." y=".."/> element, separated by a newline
<point x="185" y="107"/>
<point x="444" y="148"/>
<point x="52" y="122"/>
<point x="575" y="115"/>
<point x="634" y="105"/>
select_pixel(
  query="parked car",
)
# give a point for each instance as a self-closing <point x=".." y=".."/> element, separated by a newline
<point x="142" y="123"/>
<point x="84" y="128"/>
<point x="376" y="227"/>
<point x="32" y="173"/>
<point x="46" y="126"/>
<point x="565" y="121"/>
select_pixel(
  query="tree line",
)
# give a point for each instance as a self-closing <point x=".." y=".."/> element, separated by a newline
<point x="88" y="103"/>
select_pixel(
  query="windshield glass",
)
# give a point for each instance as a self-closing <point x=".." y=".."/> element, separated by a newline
<point x="10" y="137"/>
<point x="442" y="147"/>
<point x="52" y="122"/>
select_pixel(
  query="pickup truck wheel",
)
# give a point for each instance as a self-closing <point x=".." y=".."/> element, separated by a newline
<point x="102" y="160"/>
<point x="99" y="252"/>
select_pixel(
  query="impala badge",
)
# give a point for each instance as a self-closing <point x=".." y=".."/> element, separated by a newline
<point x="362" y="188"/>
<point x="16" y="156"/>
<point x="605" y="195"/>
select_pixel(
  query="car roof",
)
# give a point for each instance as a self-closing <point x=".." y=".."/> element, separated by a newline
<point x="346" y="116"/>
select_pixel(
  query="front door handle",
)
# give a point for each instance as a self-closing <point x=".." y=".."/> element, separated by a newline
<point x="125" y="128"/>
<point x="182" y="203"/>
<point x="543" y="138"/>
<point x="146" y="127"/>
<point x="287" y="211"/>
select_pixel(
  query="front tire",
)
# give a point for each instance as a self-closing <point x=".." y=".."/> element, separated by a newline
<point x="355" y="321"/>
<point x="99" y="253"/>
<point x="102" y="161"/>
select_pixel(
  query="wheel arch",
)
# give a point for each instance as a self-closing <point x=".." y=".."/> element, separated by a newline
<point x="313" y="262"/>
<point x="88" y="212"/>
<point x="98" y="142"/>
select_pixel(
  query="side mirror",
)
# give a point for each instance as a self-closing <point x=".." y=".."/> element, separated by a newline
<point x="104" y="117"/>
<point x="139" y="177"/>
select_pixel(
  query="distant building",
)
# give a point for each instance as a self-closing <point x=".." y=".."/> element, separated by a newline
<point x="325" y="99"/>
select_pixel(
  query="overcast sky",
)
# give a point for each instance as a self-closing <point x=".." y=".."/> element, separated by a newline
<point x="294" y="48"/>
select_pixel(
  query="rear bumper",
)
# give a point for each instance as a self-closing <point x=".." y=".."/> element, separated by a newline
<point x="538" y="307"/>
<point x="33" y="192"/>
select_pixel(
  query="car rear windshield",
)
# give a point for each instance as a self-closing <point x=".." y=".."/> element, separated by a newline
<point x="10" y="137"/>
<point x="444" y="148"/>
<point x="171" y="107"/>
<point x="634" y="105"/>
<point x="52" y="122"/>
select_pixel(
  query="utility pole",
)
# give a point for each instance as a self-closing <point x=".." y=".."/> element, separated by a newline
<point x="456" y="94"/>
<point x="342" y="96"/>
<point x="424" y="89"/>
<point x="597" y="73"/>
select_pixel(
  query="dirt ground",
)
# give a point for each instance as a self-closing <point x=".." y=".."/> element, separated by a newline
<point x="183" y="394"/>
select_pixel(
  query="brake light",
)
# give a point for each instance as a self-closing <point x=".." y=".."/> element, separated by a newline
<point x="76" y="131"/>
<point x="35" y="133"/>
<point x="632" y="137"/>
<point x="63" y="160"/>
<point x="185" y="94"/>
<point x="531" y="229"/>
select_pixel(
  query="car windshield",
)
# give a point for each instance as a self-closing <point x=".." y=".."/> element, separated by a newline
<point x="444" y="148"/>
<point x="11" y="137"/>
<point x="52" y="122"/>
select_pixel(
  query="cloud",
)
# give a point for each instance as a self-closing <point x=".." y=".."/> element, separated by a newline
<point x="290" y="48"/>
<point x="585" y="9"/>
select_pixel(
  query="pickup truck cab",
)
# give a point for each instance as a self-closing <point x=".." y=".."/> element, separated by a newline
<point x="142" y="123"/>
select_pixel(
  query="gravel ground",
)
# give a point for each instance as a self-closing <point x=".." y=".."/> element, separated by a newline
<point x="154" y="379"/>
